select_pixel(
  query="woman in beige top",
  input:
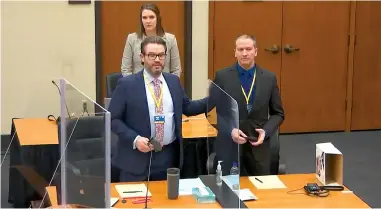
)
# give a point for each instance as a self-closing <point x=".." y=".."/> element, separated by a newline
<point x="150" y="25"/>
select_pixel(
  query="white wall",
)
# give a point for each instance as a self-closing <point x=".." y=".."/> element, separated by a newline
<point x="200" y="31"/>
<point x="41" y="41"/>
<point x="45" y="40"/>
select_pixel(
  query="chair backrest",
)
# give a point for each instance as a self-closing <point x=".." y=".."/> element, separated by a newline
<point x="274" y="153"/>
<point x="111" y="81"/>
<point x="86" y="144"/>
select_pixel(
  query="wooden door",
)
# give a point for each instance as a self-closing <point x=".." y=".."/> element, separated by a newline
<point x="366" y="103"/>
<point x="119" y="18"/>
<point x="260" y="19"/>
<point x="313" y="79"/>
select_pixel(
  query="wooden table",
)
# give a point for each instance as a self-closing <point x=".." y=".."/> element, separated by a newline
<point x="279" y="197"/>
<point x="197" y="127"/>
<point x="36" y="131"/>
<point x="273" y="198"/>
<point x="41" y="136"/>
<point x="40" y="131"/>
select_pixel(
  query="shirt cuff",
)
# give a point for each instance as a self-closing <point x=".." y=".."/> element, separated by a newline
<point x="265" y="135"/>
<point x="134" y="143"/>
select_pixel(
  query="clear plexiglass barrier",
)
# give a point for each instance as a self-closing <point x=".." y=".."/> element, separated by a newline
<point x="224" y="158"/>
<point x="84" y="174"/>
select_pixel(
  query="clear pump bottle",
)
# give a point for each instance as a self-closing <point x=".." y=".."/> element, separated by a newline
<point x="219" y="174"/>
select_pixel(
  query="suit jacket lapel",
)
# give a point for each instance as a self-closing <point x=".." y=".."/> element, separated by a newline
<point x="142" y="96"/>
<point x="258" y="85"/>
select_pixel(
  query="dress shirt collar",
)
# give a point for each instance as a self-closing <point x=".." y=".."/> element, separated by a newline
<point x="150" y="78"/>
<point x="242" y="71"/>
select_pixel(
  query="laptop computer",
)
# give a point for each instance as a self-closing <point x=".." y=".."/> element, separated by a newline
<point x="84" y="190"/>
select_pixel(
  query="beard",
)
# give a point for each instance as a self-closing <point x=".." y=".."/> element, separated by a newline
<point x="155" y="70"/>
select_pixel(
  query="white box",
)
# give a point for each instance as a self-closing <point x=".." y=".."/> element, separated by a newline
<point x="329" y="164"/>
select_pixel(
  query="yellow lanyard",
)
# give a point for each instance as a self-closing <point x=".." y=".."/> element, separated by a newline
<point x="251" y="89"/>
<point x="157" y="103"/>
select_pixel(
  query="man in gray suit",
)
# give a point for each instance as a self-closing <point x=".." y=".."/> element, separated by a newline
<point x="260" y="108"/>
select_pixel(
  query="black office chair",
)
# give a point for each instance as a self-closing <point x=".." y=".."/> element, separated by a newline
<point x="111" y="81"/>
<point x="275" y="167"/>
<point x="86" y="145"/>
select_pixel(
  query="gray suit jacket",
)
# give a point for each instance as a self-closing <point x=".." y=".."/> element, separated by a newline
<point x="131" y="62"/>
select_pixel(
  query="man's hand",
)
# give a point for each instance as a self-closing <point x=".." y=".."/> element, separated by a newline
<point x="142" y="144"/>
<point x="261" y="137"/>
<point x="238" y="135"/>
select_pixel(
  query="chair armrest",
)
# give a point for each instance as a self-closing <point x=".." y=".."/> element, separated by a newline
<point x="282" y="169"/>
<point x="210" y="163"/>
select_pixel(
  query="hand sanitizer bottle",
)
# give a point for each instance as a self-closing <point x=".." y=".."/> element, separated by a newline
<point x="219" y="174"/>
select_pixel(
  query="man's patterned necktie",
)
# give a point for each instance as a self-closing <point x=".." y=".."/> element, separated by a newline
<point x="159" y="111"/>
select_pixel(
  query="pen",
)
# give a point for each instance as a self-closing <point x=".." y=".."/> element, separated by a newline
<point x="258" y="180"/>
<point x="132" y="191"/>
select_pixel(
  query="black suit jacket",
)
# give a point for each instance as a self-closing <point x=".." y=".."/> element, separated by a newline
<point x="267" y="111"/>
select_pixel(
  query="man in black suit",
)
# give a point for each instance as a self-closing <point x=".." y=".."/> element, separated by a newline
<point x="260" y="108"/>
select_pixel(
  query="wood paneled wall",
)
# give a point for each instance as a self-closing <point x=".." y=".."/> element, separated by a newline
<point x="333" y="81"/>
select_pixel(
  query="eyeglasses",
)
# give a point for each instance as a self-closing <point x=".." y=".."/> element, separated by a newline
<point x="153" y="56"/>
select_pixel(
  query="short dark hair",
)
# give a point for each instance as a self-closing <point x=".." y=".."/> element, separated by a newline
<point x="152" y="40"/>
<point x="247" y="36"/>
<point x="159" y="26"/>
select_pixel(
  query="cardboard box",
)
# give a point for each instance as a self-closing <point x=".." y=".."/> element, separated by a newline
<point x="329" y="164"/>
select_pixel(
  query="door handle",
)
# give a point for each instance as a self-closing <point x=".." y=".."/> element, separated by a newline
<point x="274" y="49"/>
<point x="288" y="49"/>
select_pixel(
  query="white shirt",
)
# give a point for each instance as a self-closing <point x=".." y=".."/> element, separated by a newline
<point x="168" y="112"/>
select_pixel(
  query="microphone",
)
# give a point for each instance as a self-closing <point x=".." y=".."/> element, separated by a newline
<point x="157" y="147"/>
<point x="156" y="144"/>
<point x="149" y="175"/>
<point x="59" y="91"/>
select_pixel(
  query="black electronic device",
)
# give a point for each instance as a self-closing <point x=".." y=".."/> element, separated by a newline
<point x="251" y="138"/>
<point x="315" y="190"/>
<point x="156" y="144"/>
<point x="311" y="188"/>
<point x="82" y="190"/>
<point x="332" y="188"/>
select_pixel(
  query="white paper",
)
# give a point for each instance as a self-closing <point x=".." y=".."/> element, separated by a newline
<point x="267" y="182"/>
<point x="186" y="185"/>
<point x="132" y="190"/>
<point x="113" y="200"/>
<point x="328" y="148"/>
<point x="246" y="194"/>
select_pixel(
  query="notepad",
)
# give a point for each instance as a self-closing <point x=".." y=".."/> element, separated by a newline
<point x="267" y="182"/>
<point x="132" y="190"/>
